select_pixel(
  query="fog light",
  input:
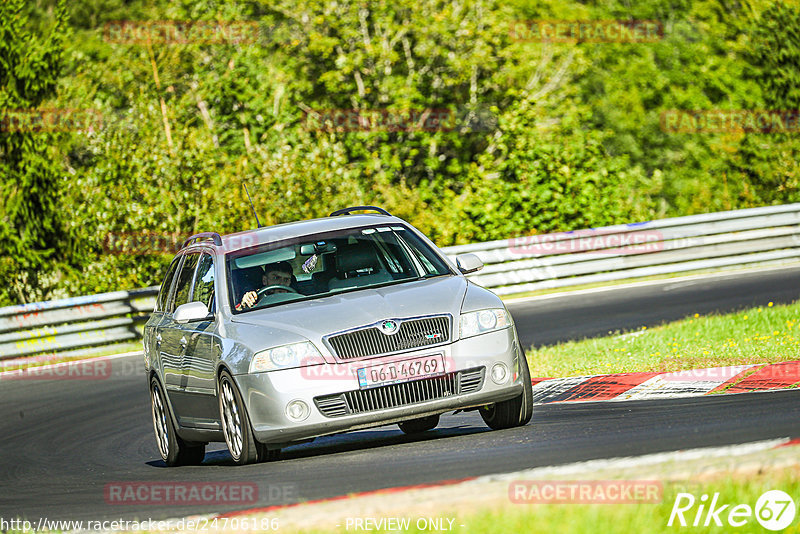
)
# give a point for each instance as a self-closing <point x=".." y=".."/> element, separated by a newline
<point x="499" y="373"/>
<point x="297" y="410"/>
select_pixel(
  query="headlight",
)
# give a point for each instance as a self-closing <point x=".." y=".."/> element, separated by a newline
<point x="286" y="357"/>
<point x="479" y="322"/>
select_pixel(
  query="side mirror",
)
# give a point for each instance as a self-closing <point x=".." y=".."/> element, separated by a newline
<point x="468" y="263"/>
<point x="191" y="312"/>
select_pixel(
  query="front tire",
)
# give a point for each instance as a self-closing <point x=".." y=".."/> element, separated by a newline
<point x="174" y="451"/>
<point x="265" y="454"/>
<point x="242" y="446"/>
<point x="415" y="426"/>
<point x="513" y="412"/>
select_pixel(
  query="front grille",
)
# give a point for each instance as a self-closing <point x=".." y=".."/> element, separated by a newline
<point x="405" y="393"/>
<point x="411" y="334"/>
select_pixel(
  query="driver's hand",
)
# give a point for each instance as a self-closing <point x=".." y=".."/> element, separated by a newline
<point x="249" y="299"/>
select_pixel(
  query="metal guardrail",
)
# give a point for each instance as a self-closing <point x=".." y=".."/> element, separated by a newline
<point x="741" y="238"/>
<point x="75" y="326"/>
<point x="757" y="236"/>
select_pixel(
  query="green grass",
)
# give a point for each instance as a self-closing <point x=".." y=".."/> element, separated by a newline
<point x="759" y="335"/>
<point x="630" y="518"/>
<point x="644" y="518"/>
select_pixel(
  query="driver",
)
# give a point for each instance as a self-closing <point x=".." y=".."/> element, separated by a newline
<point x="275" y="274"/>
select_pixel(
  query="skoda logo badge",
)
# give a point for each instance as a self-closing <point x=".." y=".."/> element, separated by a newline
<point x="389" y="327"/>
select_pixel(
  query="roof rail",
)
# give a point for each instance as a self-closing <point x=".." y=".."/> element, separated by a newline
<point x="347" y="211"/>
<point x="213" y="236"/>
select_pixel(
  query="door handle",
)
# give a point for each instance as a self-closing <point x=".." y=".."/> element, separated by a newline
<point x="183" y="342"/>
<point x="158" y="338"/>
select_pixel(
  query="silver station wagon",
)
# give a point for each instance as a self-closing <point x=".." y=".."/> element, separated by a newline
<point x="271" y="337"/>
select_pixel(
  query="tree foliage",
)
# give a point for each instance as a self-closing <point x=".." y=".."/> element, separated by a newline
<point x="540" y="136"/>
<point x="32" y="223"/>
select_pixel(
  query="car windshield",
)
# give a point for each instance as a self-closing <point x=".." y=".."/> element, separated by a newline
<point x="324" y="264"/>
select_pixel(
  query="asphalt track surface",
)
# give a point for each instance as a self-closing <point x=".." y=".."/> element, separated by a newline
<point x="65" y="441"/>
<point x="546" y="321"/>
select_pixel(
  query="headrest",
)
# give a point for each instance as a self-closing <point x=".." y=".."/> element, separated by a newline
<point x="356" y="257"/>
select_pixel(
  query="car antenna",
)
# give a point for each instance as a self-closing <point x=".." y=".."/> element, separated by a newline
<point x="251" y="205"/>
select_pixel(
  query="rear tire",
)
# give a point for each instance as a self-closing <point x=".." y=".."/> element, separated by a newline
<point x="174" y="451"/>
<point x="235" y="422"/>
<point x="423" y="424"/>
<point x="513" y="412"/>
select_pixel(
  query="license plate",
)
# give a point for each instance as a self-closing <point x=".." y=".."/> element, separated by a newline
<point x="401" y="371"/>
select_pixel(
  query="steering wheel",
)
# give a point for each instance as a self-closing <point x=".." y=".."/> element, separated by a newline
<point x="263" y="291"/>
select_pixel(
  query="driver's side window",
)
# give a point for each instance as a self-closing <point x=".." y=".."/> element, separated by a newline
<point x="246" y="279"/>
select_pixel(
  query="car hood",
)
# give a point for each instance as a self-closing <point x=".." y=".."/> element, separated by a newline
<point x="314" y="319"/>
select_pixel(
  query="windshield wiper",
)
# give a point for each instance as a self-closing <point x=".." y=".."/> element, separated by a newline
<point x="431" y="275"/>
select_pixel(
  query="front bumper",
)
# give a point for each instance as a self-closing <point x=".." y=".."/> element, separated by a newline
<point x="268" y="394"/>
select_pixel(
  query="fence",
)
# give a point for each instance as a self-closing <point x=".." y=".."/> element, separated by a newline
<point x="757" y="236"/>
<point x="76" y="326"/>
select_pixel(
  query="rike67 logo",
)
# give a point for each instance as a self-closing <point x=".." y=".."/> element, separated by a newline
<point x="774" y="510"/>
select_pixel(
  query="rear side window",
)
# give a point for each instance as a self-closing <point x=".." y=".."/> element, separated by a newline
<point x="161" y="300"/>
<point x="184" y="281"/>
<point x="204" y="282"/>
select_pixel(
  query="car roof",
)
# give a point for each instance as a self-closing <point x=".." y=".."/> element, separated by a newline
<point x="279" y="232"/>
